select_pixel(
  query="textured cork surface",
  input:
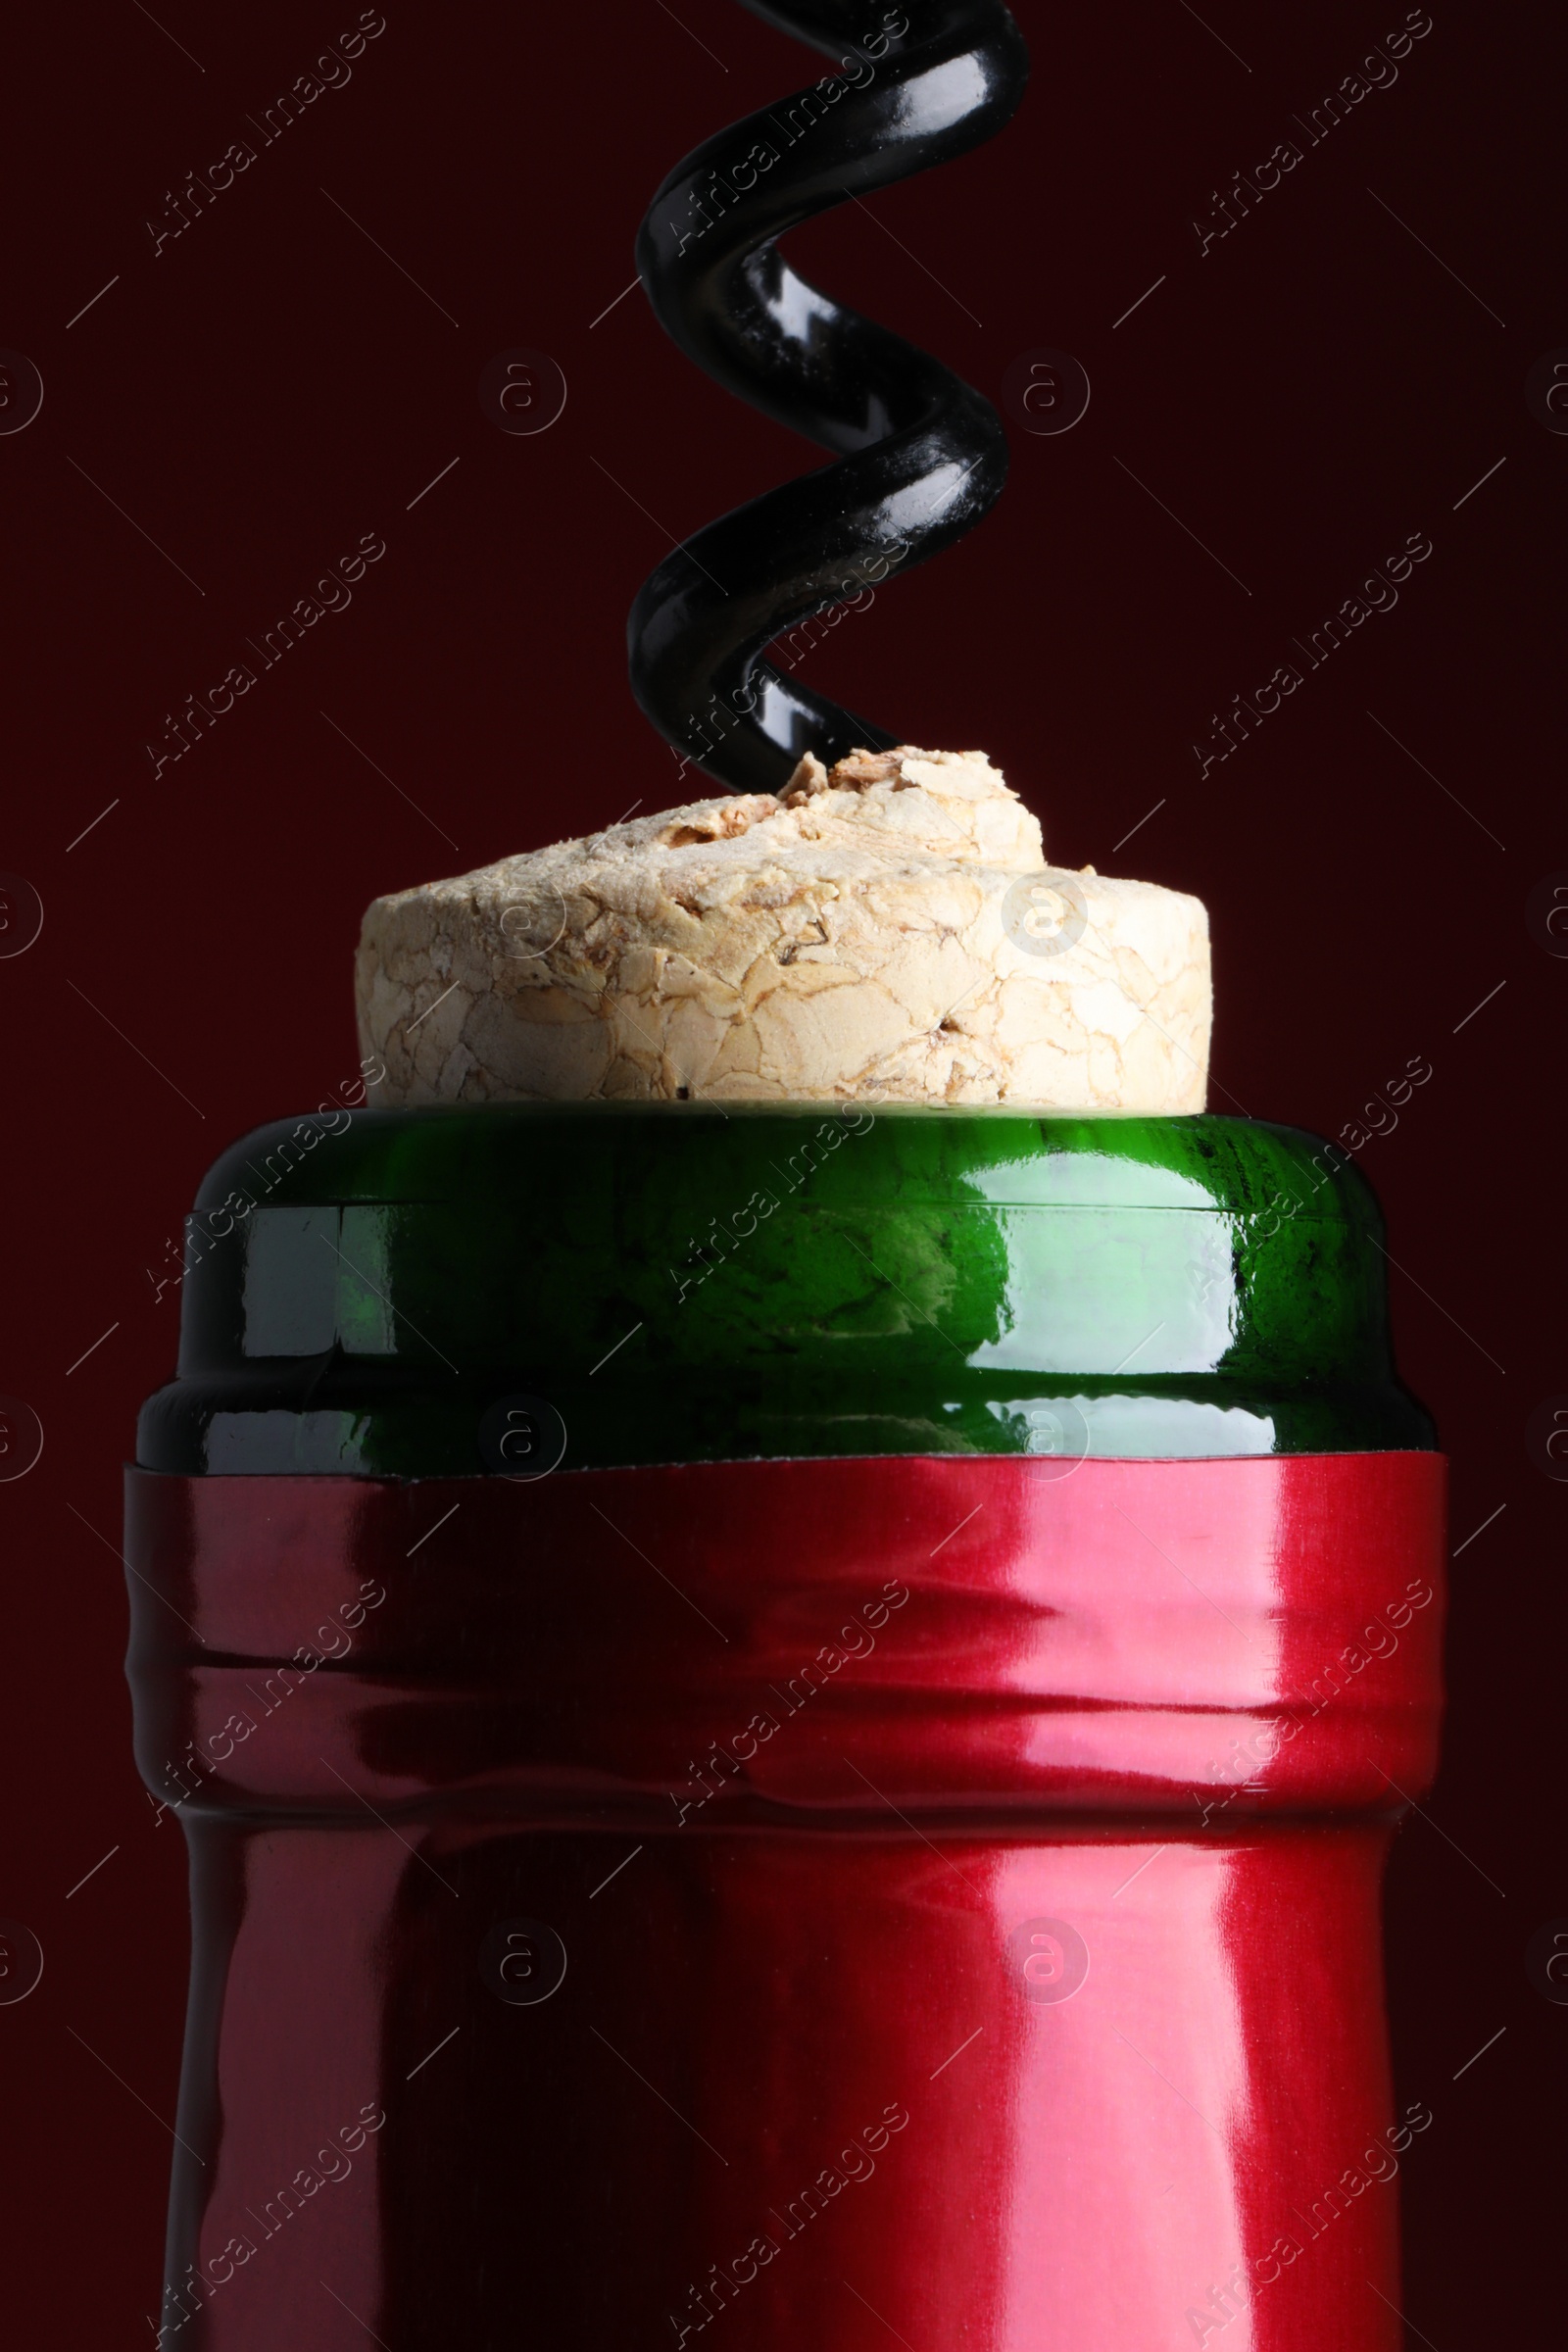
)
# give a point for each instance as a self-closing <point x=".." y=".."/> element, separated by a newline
<point x="890" y="932"/>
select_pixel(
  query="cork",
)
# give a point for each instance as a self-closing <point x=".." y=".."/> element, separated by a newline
<point x="888" y="931"/>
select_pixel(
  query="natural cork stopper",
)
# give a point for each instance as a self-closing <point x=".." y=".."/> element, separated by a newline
<point x="884" y="932"/>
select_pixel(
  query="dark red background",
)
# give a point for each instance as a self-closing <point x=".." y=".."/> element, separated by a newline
<point x="270" y="386"/>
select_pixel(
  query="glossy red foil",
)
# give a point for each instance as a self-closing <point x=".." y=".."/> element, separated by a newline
<point x="965" y="1877"/>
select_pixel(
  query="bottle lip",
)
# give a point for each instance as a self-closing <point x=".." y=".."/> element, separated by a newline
<point x="365" y="1290"/>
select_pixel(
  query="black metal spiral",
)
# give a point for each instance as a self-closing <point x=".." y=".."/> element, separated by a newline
<point x="922" y="458"/>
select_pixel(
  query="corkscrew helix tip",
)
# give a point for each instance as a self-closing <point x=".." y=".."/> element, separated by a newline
<point x="922" y="458"/>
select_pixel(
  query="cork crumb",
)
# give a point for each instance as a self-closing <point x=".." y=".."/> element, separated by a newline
<point x="715" y="821"/>
<point x="809" y="778"/>
<point x="857" y="769"/>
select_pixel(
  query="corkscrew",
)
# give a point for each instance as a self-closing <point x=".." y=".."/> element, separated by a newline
<point x="922" y="456"/>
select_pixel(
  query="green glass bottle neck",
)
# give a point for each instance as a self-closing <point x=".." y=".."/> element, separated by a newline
<point x="675" y="1284"/>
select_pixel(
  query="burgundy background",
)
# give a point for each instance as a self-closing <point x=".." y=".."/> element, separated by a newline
<point x="269" y="387"/>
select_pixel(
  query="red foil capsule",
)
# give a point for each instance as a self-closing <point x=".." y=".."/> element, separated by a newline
<point x="805" y="1901"/>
